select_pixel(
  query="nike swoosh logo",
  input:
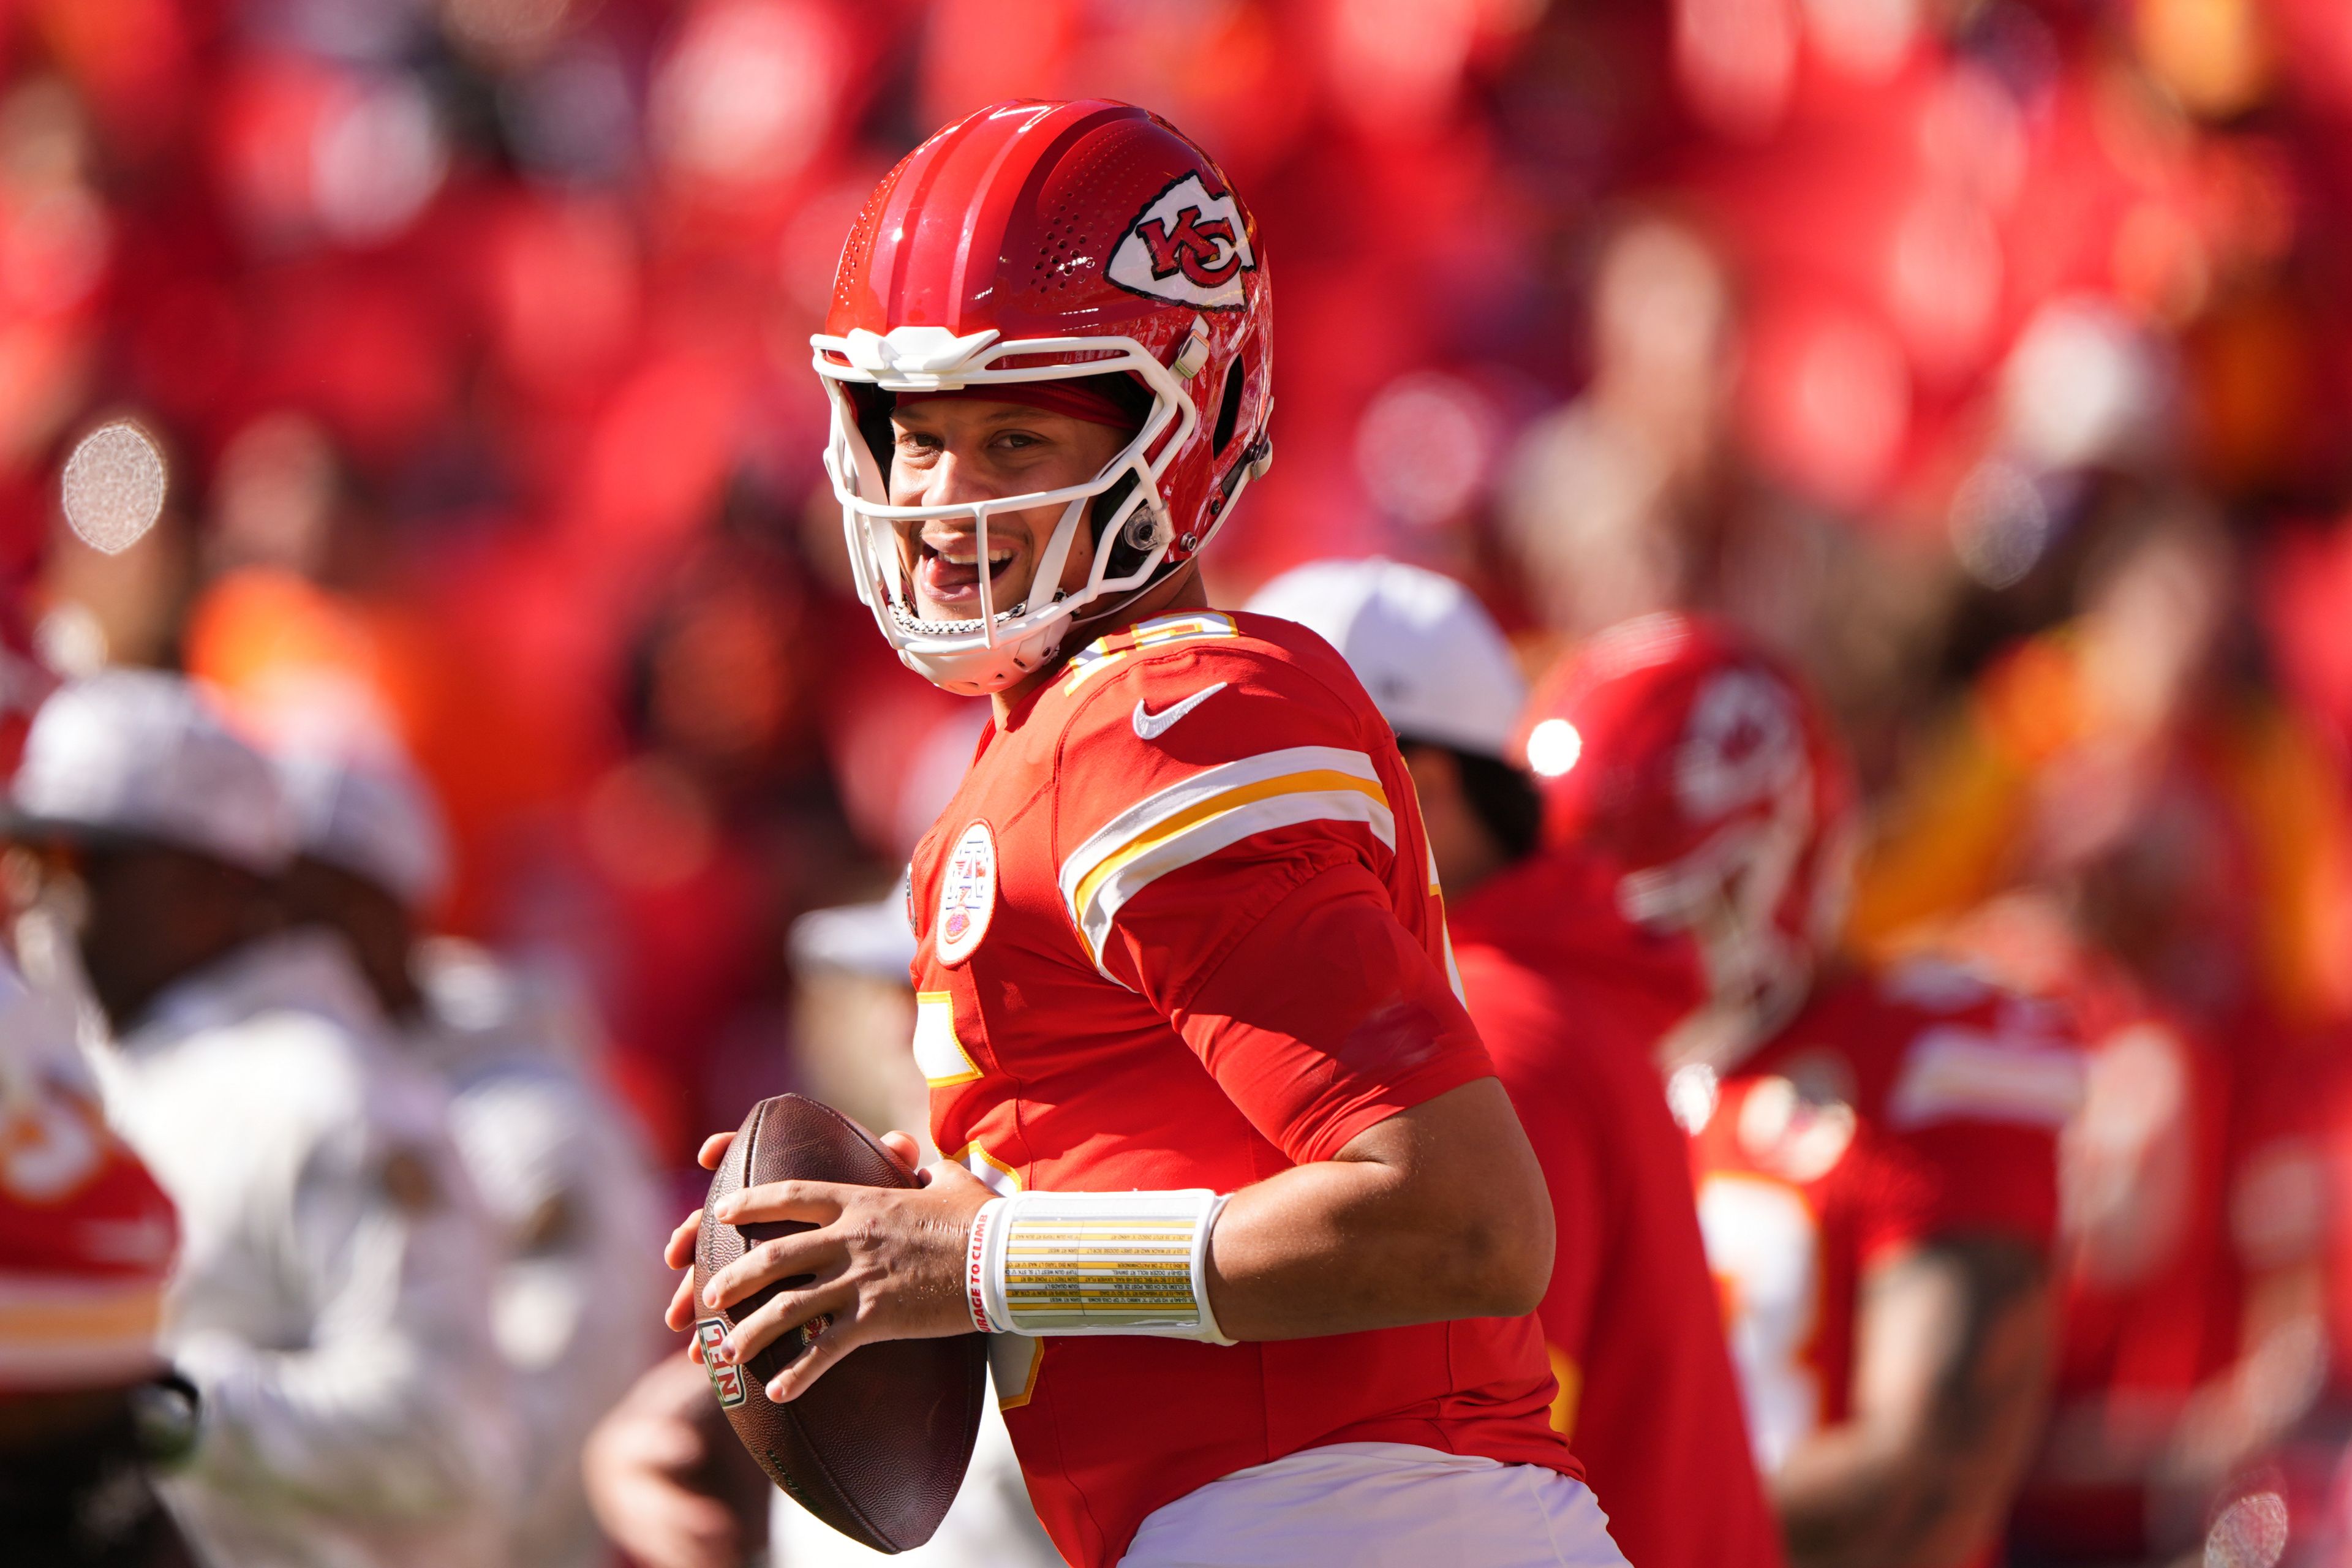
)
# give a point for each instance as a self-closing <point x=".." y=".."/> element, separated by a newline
<point x="1151" y="726"/>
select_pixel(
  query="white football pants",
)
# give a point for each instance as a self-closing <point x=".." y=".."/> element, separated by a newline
<point x="1379" y="1505"/>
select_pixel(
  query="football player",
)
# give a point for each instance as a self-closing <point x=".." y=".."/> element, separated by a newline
<point x="1181" y="968"/>
<point x="2156" y="1403"/>
<point x="1875" y="1153"/>
<point x="1570" y="1001"/>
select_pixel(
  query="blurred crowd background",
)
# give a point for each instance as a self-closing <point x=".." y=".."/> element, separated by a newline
<point x="1990" y="358"/>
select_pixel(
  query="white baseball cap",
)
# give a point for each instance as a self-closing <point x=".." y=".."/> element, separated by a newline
<point x="368" y="814"/>
<point x="138" y="753"/>
<point x="1424" y="647"/>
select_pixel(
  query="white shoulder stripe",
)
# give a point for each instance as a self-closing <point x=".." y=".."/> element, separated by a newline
<point x="1218" y="807"/>
<point x="1445" y="932"/>
<point x="1967" y="1075"/>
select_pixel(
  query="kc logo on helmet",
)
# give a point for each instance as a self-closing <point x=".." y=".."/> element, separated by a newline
<point x="1189" y="246"/>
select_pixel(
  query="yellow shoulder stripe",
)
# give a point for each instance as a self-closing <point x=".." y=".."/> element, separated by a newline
<point x="1215" y="807"/>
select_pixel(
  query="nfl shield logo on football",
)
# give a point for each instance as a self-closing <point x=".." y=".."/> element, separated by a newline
<point x="726" y="1378"/>
<point x="967" y="894"/>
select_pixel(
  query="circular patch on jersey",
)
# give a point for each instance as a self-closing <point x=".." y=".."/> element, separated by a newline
<point x="967" y="894"/>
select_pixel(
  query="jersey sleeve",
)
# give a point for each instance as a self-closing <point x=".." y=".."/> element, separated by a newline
<point x="1325" y="1017"/>
<point x="1975" y="1179"/>
<point x="1243" y="869"/>
<point x="1972" y="1138"/>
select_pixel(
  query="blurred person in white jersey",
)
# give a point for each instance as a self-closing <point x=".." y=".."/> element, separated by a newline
<point x="331" y="1303"/>
<point x="563" y="1174"/>
<point x="661" y="1458"/>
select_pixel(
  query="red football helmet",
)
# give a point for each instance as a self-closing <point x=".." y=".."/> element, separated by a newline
<point x="1045" y="242"/>
<point x="1712" y="781"/>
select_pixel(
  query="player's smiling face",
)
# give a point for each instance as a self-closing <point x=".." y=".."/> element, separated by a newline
<point x="954" y="451"/>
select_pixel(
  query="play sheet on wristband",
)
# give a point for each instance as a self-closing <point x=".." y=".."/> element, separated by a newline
<point x="1101" y="1262"/>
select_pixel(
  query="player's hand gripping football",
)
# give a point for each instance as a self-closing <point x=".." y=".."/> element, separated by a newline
<point x="883" y="1263"/>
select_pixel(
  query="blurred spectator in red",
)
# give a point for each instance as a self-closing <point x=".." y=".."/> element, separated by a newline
<point x="2123" y="788"/>
<point x="1611" y="498"/>
<point x="2196" y="824"/>
<point x="720" y="825"/>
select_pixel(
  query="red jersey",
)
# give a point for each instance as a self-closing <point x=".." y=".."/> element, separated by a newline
<point x="87" y="1237"/>
<point x="1896" y="1107"/>
<point x="2153" y="1285"/>
<point x="1571" y="1002"/>
<point x="2154" y="1295"/>
<point x="1179" y="928"/>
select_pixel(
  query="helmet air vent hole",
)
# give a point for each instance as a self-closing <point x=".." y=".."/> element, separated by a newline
<point x="1229" y="412"/>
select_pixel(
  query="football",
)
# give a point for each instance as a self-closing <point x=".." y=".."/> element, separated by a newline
<point x="879" y="1447"/>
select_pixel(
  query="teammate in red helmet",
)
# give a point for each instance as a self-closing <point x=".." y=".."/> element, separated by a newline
<point x="1181" y="963"/>
<point x="1876" y="1153"/>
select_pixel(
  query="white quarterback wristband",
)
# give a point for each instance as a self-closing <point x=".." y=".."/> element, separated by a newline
<point x="1094" y="1263"/>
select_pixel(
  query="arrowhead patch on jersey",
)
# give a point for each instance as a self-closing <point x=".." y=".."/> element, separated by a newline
<point x="967" y="894"/>
<point x="1189" y="246"/>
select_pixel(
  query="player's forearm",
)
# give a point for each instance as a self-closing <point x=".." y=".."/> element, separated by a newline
<point x="1858" y="1497"/>
<point x="1832" y="1496"/>
<point x="1951" y="1385"/>
<point x="1436" y="1214"/>
<point x="1854" y="1504"/>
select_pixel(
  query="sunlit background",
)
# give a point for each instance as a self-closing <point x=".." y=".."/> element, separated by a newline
<point x="1991" y="357"/>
